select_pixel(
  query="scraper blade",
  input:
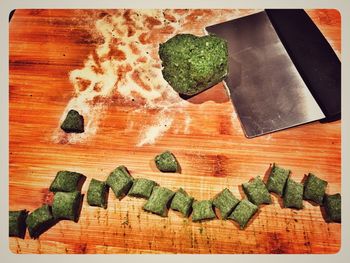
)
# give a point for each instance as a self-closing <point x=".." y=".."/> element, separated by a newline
<point x="265" y="87"/>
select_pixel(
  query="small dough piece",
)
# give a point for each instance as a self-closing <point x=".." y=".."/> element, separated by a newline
<point x="66" y="181"/>
<point x="166" y="162"/>
<point x="332" y="205"/>
<point x="243" y="212"/>
<point x="142" y="188"/>
<point x="120" y="181"/>
<point x="66" y="205"/>
<point x="97" y="193"/>
<point x="17" y="223"/>
<point x="73" y="123"/>
<point x="202" y="210"/>
<point x="257" y="192"/>
<point x="225" y="201"/>
<point x="39" y="220"/>
<point x="182" y="202"/>
<point x="277" y="179"/>
<point x="314" y="189"/>
<point x="159" y="201"/>
<point x="293" y="194"/>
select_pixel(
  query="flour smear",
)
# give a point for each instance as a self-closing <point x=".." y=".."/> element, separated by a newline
<point x="127" y="65"/>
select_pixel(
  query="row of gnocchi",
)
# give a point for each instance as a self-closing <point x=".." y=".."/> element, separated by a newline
<point x="68" y="198"/>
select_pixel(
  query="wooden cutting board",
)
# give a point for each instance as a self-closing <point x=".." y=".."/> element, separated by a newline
<point x="105" y="64"/>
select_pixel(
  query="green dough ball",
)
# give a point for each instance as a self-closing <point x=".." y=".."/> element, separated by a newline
<point x="202" y="210"/>
<point x="314" y="189"/>
<point x="66" y="205"/>
<point x="166" y="162"/>
<point x="225" y="201"/>
<point x="39" y="220"/>
<point x="332" y="204"/>
<point x="158" y="201"/>
<point x="120" y="181"/>
<point x="142" y="188"/>
<point x="277" y="179"/>
<point x="182" y="202"/>
<point x="243" y="212"/>
<point x="257" y="192"/>
<point x="97" y="193"/>
<point x="192" y="64"/>
<point x="73" y="123"/>
<point x="17" y="223"/>
<point x="293" y="194"/>
<point x="66" y="181"/>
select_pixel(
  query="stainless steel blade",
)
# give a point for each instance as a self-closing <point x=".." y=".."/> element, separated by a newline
<point x="265" y="86"/>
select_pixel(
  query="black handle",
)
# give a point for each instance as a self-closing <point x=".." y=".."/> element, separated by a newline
<point x="313" y="57"/>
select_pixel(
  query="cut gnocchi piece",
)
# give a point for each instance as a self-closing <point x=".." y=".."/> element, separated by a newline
<point x="159" y="201"/>
<point x="182" y="202"/>
<point x="120" y="181"/>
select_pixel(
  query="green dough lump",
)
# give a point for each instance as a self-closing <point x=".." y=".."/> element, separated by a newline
<point x="66" y="181"/>
<point x="182" y="202"/>
<point x="73" y="123"/>
<point x="120" y="181"/>
<point x="17" y="223"/>
<point x="202" y="210"/>
<point x="192" y="64"/>
<point x="257" y="192"/>
<point x="332" y="204"/>
<point x="159" y="201"/>
<point x="277" y="179"/>
<point x="293" y="194"/>
<point x="142" y="188"/>
<point x="166" y="162"/>
<point x="39" y="220"/>
<point x="225" y="201"/>
<point x="243" y="212"/>
<point x="314" y="189"/>
<point x="97" y="193"/>
<point x="66" y="205"/>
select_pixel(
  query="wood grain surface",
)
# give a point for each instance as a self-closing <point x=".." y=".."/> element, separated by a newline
<point x="204" y="134"/>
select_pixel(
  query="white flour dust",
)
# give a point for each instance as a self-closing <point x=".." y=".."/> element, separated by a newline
<point x="124" y="64"/>
<point x="150" y="134"/>
<point x="127" y="65"/>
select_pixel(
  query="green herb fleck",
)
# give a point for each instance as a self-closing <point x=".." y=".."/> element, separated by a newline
<point x="201" y="230"/>
<point x="125" y="222"/>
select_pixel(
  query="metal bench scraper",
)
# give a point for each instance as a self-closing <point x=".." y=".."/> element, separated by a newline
<point x="277" y="77"/>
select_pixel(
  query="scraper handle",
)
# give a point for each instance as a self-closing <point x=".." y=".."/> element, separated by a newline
<point x="313" y="57"/>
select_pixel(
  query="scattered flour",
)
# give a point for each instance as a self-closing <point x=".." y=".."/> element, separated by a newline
<point x="126" y="64"/>
<point x="187" y="124"/>
<point x="150" y="134"/>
